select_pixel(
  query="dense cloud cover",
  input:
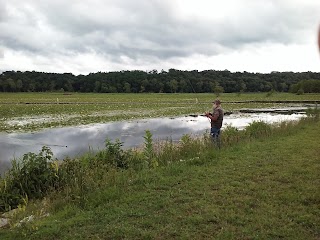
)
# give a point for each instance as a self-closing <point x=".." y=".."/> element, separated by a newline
<point x="107" y="35"/>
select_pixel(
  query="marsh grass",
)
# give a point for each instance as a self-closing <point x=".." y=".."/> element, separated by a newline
<point x="314" y="113"/>
<point x="97" y="108"/>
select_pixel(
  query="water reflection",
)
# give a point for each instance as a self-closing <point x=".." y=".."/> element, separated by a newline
<point x="74" y="141"/>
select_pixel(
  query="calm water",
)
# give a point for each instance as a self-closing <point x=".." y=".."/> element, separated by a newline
<point x="74" y="141"/>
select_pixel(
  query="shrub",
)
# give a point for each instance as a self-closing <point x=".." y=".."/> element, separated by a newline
<point x="187" y="145"/>
<point x="300" y="92"/>
<point x="314" y="113"/>
<point x="258" y="129"/>
<point x="270" y="93"/>
<point x="32" y="177"/>
<point x="115" y="155"/>
<point x="230" y="135"/>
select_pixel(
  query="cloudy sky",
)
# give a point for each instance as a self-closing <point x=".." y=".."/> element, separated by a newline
<point x="83" y="36"/>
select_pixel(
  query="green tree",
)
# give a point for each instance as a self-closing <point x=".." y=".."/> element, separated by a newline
<point x="97" y="86"/>
<point x="243" y="86"/>
<point x="283" y="87"/>
<point x="11" y="85"/>
<point x="127" y="87"/>
<point x="218" y="89"/>
<point x="68" y="86"/>
<point x="19" y="85"/>
<point x="52" y="86"/>
<point x="144" y="87"/>
<point x="173" y="85"/>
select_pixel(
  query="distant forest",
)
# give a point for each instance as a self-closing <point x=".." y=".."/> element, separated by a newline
<point x="173" y="81"/>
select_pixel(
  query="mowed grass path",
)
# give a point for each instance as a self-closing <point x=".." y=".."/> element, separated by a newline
<point x="264" y="189"/>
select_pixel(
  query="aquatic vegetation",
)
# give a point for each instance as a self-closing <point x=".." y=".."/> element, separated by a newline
<point x="314" y="113"/>
<point x="32" y="111"/>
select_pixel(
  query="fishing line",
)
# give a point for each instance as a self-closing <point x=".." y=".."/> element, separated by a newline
<point x="197" y="98"/>
<point x="28" y="142"/>
<point x="51" y="145"/>
<point x="191" y="85"/>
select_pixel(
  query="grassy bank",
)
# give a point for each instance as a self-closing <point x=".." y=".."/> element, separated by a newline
<point x="263" y="184"/>
<point x="32" y="111"/>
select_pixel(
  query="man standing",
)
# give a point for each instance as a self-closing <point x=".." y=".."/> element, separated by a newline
<point x="216" y="121"/>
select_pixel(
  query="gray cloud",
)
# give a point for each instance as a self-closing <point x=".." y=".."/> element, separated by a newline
<point x="146" y="28"/>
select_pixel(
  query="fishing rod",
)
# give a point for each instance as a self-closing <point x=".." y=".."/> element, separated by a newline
<point x="319" y="38"/>
<point x="197" y="115"/>
<point x="52" y="145"/>
<point x="30" y="143"/>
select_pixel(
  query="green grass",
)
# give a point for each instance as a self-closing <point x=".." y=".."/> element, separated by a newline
<point x="267" y="188"/>
<point x="43" y="110"/>
<point x="146" y="97"/>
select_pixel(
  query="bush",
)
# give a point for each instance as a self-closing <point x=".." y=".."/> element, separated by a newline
<point x="114" y="154"/>
<point x="300" y="92"/>
<point x="313" y="113"/>
<point x="270" y="93"/>
<point x="187" y="145"/>
<point x="32" y="177"/>
<point x="230" y="135"/>
<point x="258" y="129"/>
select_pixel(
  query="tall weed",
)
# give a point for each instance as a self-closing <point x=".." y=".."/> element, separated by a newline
<point x="313" y="113"/>
<point x="258" y="129"/>
<point x="189" y="146"/>
<point x="166" y="152"/>
<point x="32" y="177"/>
<point x="148" y="151"/>
<point x="114" y="154"/>
<point x="231" y="135"/>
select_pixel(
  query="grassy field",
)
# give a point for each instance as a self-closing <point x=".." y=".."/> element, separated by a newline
<point x="32" y="111"/>
<point x="253" y="188"/>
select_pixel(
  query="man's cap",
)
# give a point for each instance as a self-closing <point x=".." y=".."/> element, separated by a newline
<point x="217" y="101"/>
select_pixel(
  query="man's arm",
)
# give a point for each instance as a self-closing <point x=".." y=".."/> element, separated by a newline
<point x="214" y="116"/>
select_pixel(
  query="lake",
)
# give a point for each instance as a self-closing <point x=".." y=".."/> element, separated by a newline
<point x="75" y="141"/>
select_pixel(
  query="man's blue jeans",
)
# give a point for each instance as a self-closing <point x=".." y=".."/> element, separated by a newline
<point x="215" y="134"/>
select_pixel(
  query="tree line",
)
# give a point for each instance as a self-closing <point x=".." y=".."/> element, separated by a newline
<point x="171" y="81"/>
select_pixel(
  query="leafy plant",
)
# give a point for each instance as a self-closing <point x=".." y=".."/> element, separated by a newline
<point x="300" y="92"/>
<point x="191" y="146"/>
<point x="270" y="93"/>
<point x="168" y="152"/>
<point x="230" y="135"/>
<point x="148" y="150"/>
<point x="115" y="155"/>
<point x="30" y="178"/>
<point x="314" y="113"/>
<point x="258" y="129"/>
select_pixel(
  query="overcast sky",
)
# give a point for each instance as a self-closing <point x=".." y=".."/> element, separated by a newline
<point x="112" y="35"/>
